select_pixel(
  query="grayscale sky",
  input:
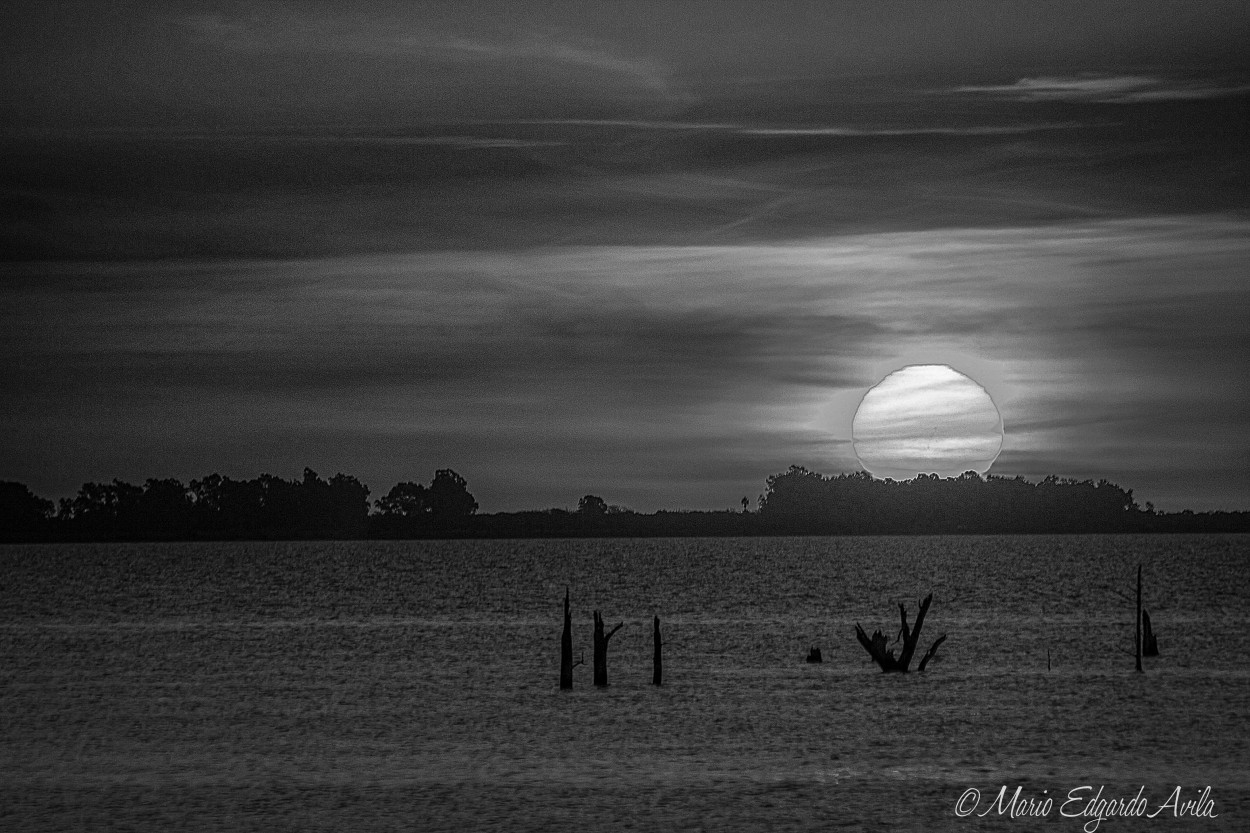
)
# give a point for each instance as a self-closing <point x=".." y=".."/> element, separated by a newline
<point x="650" y="251"/>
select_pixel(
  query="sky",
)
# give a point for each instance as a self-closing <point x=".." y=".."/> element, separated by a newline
<point x="654" y="252"/>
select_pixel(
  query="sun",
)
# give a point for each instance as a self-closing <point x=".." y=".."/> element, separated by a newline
<point x="926" y="419"/>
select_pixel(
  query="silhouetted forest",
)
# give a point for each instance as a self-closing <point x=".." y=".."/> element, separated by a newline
<point x="795" y="502"/>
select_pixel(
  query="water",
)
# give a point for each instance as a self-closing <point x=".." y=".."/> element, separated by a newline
<point x="414" y="686"/>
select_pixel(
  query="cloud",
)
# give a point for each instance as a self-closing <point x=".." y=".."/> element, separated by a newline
<point x="973" y="130"/>
<point x="1105" y="89"/>
<point x="632" y="124"/>
<point x="495" y="184"/>
<point x="789" y="132"/>
<point x="680" y="375"/>
<point x="797" y="132"/>
<point x="421" y="44"/>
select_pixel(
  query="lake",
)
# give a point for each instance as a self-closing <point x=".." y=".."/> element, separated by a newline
<point x="414" y="685"/>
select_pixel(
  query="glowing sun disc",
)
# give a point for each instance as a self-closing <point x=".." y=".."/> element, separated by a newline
<point x="926" y="419"/>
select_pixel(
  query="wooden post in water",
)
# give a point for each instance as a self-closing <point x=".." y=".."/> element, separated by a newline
<point x="566" y="646"/>
<point x="657" y="677"/>
<point x="601" y="650"/>
<point x="1138" y="617"/>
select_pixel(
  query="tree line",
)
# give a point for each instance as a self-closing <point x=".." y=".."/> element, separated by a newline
<point x="795" y="502"/>
<point x="221" y="508"/>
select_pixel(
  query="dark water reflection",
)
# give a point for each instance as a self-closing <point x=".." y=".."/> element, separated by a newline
<point x="378" y="686"/>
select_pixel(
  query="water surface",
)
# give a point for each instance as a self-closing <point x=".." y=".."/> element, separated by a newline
<point x="414" y="685"/>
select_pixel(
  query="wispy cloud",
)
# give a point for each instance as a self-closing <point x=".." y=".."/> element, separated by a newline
<point x="833" y="131"/>
<point x="286" y="33"/>
<point x="973" y="130"/>
<point x="633" y="124"/>
<point x="1110" y="89"/>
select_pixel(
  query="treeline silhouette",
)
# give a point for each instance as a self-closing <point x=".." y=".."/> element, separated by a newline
<point x="795" y="502"/>
<point x="804" y="501"/>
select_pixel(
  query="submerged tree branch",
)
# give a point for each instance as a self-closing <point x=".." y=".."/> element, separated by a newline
<point x="876" y="645"/>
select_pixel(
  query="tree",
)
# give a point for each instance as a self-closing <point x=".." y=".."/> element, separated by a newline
<point x="164" y="510"/>
<point x="592" y="506"/>
<point x="450" y="498"/>
<point x="349" y="506"/>
<point x="103" y="511"/>
<point x="229" y="509"/>
<point x="410" y="509"/>
<point x="797" y="496"/>
<point x="24" y="516"/>
<point x="337" y="508"/>
<point x="281" y="509"/>
<point x="406" y="500"/>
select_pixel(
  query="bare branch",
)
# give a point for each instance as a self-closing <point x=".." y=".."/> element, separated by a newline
<point x="929" y="654"/>
<point x="876" y="648"/>
<point x="902" y="612"/>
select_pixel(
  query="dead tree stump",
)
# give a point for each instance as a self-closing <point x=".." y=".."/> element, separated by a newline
<point x="566" y="646"/>
<point x="1149" y="643"/>
<point x="657" y="676"/>
<point x="876" y="645"/>
<point x="1138" y="638"/>
<point x="601" y="650"/>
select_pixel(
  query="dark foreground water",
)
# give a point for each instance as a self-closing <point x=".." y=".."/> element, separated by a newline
<point x="414" y="686"/>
